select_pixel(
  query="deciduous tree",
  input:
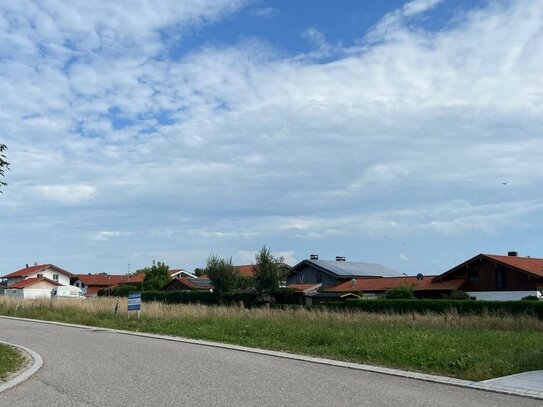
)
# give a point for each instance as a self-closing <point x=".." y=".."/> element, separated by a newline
<point x="270" y="271"/>
<point x="156" y="276"/>
<point x="221" y="273"/>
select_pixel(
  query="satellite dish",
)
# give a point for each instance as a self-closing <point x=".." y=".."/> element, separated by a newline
<point x="420" y="277"/>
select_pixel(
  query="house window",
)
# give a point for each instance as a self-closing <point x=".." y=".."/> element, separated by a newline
<point x="82" y="285"/>
<point x="319" y="279"/>
<point x="55" y="277"/>
<point x="501" y="279"/>
<point x="40" y="275"/>
<point x="301" y="278"/>
<point x="474" y="276"/>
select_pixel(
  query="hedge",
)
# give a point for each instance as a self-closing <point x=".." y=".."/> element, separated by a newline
<point x="442" y="306"/>
<point x="248" y="298"/>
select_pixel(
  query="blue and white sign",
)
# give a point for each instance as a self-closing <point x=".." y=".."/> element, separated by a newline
<point x="134" y="301"/>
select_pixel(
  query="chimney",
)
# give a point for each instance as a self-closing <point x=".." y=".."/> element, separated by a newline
<point x="512" y="254"/>
<point x="313" y="257"/>
<point x="340" y="258"/>
<point x="26" y="265"/>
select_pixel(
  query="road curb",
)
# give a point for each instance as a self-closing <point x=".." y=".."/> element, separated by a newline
<point x="23" y="376"/>
<point x="310" y="359"/>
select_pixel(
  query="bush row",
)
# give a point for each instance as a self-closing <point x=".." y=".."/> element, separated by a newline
<point x="248" y="298"/>
<point x="441" y="306"/>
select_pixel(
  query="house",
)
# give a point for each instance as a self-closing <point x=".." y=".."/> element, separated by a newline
<point x="177" y="273"/>
<point x="189" y="284"/>
<point x="247" y="270"/>
<point x="49" y="271"/>
<point x="497" y="277"/>
<point x="330" y="273"/>
<point x="423" y="286"/>
<point x="137" y="279"/>
<point x="33" y="287"/>
<point x="91" y="283"/>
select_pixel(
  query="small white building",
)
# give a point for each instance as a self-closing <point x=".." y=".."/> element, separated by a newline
<point x="32" y="288"/>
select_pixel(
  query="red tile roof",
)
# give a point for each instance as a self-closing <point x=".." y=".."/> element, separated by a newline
<point x="386" y="283"/>
<point x="100" y="279"/>
<point x="245" y="270"/>
<point x="529" y="264"/>
<point x="30" y="281"/>
<point x="34" y="269"/>
<point x="303" y="288"/>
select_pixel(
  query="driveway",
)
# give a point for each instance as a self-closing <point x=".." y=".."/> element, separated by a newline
<point x="88" y="367"/>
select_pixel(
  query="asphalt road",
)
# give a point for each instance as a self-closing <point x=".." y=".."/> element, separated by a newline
<point x="85" y="367"/>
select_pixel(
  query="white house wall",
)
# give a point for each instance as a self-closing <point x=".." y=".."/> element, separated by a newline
<point x="502" y="295"/>
<point x="48" y="273"/>
<point x="32" y="293"/>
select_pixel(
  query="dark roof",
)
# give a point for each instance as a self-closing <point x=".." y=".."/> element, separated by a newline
<point x="192" y="283"/>
<point x="34" y="269"/>
<point x="101" y="279"/>
<point x="30" y="281"/>
<point x="530" y="265"/>
<point x="349" y="269"/>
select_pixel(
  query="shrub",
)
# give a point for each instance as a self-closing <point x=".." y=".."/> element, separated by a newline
<point x="530" y="298"/>
<point x="400" y="292"/>
<point x="458" y="296"/>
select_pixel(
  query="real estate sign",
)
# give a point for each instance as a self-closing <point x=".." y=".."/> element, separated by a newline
<point x="134" y="301"/>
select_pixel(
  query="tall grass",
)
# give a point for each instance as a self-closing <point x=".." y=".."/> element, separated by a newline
<point x="470" y="347"/>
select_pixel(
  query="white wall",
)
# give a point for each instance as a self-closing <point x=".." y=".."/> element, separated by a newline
<point x="502" y="295"/>
<point x="32" y="293"/>
<point x="79" y="283"/>
<point x="48" y="273"/>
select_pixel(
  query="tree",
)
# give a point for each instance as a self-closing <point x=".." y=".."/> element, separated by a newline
<point x="198" y="271"/>
<point x="3" y="164"/>
<point x="156" y="276"/>
<point x="269" y="271"/>
<point x="221" y="273"/>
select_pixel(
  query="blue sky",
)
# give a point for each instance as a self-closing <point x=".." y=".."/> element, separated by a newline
<point x="401" y="132"/>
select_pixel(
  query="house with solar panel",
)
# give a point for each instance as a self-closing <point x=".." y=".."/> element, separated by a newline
<point x="329" y="273"/>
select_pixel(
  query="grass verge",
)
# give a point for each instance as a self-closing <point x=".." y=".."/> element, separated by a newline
<point x="467" y="347"/>
<point x="10" y="361"/>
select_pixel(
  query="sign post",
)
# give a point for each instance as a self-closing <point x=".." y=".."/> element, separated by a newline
<point x="134" y="303"/>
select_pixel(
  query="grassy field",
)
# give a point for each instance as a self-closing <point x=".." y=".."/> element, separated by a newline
<point x="10" y="361"/>
<point x="468" y="347"/>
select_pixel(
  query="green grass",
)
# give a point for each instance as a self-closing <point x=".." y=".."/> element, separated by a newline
<point x="10" y="361"/>
<point x="468" y="347"/>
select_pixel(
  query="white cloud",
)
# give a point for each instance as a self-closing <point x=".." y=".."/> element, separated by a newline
<point x="106" y="235"/>
<point x="412" y="131"/>
<point x="265" y="12"/>
<point x="67" y="194"/>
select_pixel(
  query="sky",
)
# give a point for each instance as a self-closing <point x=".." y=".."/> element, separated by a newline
<point x="407" y="133"/>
